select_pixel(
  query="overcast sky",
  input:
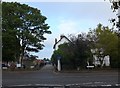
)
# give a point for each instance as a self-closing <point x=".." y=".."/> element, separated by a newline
<point x="71" y="18"/>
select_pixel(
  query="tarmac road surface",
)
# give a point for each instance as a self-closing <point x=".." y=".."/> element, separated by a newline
<point x="47" y="75"/>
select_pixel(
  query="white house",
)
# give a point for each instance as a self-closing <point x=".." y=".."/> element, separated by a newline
<point x="63" y="39"/>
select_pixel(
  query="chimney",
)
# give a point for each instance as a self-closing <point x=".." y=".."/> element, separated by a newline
<point x="55" y="40"/>
<point x="61" y="36"/>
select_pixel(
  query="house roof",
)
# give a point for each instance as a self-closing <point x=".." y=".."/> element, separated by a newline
<point x="61" y="37"/>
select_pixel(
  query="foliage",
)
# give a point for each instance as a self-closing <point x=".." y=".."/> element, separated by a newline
<point x="10" y="46"/>
<point x="82" y="50"/>
<point x="78" y="52"/>
<point x="27" y="25"/>
<point x="107" y="44"/>
<point x="75" y="53"/>
<point x="33" y="57"/>
<point x="115" y="7"/>
<point x="66" y="54"/>
<point x="116" y="23"/>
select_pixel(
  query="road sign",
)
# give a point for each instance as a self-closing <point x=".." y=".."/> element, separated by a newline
<point x="59" y="57"/>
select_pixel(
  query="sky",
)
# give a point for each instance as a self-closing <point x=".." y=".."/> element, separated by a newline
<point x="71" y="18"/>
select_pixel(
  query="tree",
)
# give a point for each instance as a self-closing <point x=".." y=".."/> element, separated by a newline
<point x="106" y="43"/>
<point x="115" y="5"/>
<point x="82" y="50"/>
<point x="75" y="53"/>
<point x="28" y="25"/>
<point x="66" y="53"/>
<point x="10" y="46"/>
<point x="116" y="23"/>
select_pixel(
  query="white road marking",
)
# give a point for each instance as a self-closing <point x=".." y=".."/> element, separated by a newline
<point x="98" y="82"/>
<point x="48" y="85"/>
<point x="106" y="85"/>
<point x="117" y="84"/>
<point x="88" y="83"/>
<point x="23" y="85"/>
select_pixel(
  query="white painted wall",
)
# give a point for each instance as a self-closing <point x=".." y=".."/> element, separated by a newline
<point x="63" y="40"/>
<point x="106" y="60"/>
<point x="96" y="61"/>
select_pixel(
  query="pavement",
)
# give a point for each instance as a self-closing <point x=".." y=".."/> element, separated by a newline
<point x="47" y="76"/>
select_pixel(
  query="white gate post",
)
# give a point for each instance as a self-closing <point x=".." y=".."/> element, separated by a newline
<point x="59" y="65"/>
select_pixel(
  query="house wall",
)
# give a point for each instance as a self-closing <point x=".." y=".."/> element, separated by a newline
<point x="106" y="61"/>
<point x="96" y="61"/>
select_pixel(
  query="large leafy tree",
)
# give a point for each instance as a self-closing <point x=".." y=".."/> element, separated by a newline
<point x="27" y="25"/>
<point x="75" y="53"/>
<point x="106" y="42"/>
<point x="82" y="50"/>
<point x="66" y="52"/>
<point x="10" y="46"/>
<point x="116" y="23"/>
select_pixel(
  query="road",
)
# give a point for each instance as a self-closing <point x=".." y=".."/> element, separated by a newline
<point x="47" y="76"/>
